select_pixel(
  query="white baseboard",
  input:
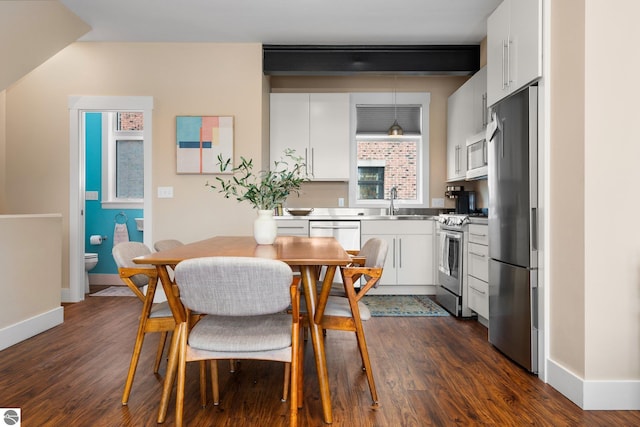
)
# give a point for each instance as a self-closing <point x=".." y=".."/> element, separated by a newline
<point x="27" y="328"/>
<point x="621" y="395"/>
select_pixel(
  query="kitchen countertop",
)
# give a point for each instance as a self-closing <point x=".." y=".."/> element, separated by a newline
<point x="355" y="217"/>
<point x="358" y="214"/>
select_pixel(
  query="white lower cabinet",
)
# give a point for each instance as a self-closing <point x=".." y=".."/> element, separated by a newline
<point x="478" y="270"/>
<point x="409" y="268"/>
<point x="478" y="298"/>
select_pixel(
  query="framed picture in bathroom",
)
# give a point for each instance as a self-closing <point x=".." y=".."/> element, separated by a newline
<point x="199" y="141"/>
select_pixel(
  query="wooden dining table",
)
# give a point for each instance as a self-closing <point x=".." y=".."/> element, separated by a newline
<point x="306" y="254"/>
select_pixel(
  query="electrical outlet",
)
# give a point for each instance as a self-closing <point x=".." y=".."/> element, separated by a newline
<point x="340" y="202"/>
<point x="91" y="195"/>
<point x="165" y="192"/>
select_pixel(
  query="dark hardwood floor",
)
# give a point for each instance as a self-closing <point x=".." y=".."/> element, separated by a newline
<point x="429" y="371"/>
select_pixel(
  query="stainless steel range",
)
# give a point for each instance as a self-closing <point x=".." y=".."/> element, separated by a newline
<point x="452" y="246"/>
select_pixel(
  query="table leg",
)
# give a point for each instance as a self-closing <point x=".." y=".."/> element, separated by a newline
<point x="310" y="291"/>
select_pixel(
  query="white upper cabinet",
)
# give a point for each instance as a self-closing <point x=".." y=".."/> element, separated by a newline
<point x="458" y="120"/>
<point x="466" y="116"/>
<point x="316" y="125"/>
<point x="514" y="47"/>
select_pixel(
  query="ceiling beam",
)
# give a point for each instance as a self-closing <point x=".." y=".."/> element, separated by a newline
<point x="282" y="60"/>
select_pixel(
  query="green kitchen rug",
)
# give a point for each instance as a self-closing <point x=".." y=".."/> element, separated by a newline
<point x="403" y="306"/>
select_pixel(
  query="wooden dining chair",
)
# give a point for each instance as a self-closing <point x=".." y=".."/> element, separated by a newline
<point x="154" y="317"/>
<point x="245" y="302"/>
<point x="344" y="311"/>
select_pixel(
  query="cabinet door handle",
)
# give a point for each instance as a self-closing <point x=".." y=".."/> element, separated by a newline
<point x="478" y="235"/>
<point x="394" y="253"/>
<point x="477" y="290"/>
<point x="313" y="161"/>
<point x="509" y="63"/>
<point x="476" y="254"/>
<point x="400" y="253"/>
<point x="504" y="45"/>
<point x="306" y="161"/>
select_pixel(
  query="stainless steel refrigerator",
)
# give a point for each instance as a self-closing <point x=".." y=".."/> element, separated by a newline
<point x="513" y="201"/>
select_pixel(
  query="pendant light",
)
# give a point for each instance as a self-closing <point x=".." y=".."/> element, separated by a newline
<point x="395" y="128"/>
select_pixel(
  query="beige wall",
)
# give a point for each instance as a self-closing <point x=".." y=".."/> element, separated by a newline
<point x="3" y="143"/>
<point x="326" y="194"/>
<point x="184" y="79"/>
<point x="30" y="265"/>
<point x="31" y="32"/>
<point x="567" y="173"/>
<point x="611" y="153"/>
<point x="594" y="251"/>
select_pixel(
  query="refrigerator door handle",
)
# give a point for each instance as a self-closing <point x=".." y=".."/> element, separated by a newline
<point x="534" y="229"/>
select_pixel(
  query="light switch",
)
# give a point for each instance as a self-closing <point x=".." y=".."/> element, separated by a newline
<point x="340" y="202"/>
<point x="91" y="195"/>
<point x="165" y="192"/>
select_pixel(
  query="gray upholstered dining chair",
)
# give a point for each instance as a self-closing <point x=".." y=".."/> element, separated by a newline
<point x="344" y="310"/>
<point x="163" y="245"/>
<point x="245" y="301"/>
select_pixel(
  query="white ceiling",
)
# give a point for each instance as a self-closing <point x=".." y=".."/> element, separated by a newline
<point x="358" y="22"/>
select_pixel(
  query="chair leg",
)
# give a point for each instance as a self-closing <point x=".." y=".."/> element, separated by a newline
<point x="364" y="352"/>
<point x="232" y="366"/>
<point x="161" y="344"/>
<point x="135" y="357"/>
<point x="300" y="378"/>
<point x="203" y="383"/>
<point x="287" y="379"/>
<point x="214" y="382"/>
<point x="182" y="372"/>
<point x="295" y="373"/>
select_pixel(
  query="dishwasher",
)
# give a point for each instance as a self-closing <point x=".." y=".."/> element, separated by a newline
<point x="347" y="233"/>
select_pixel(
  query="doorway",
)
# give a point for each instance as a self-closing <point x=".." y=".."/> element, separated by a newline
<point x="78" y="107"/>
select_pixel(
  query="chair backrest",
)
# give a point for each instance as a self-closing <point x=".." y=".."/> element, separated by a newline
<point x="123" y="255"/>
<point x="163" y="245"/>
<point x="375" y="252"/>
<point x="234" y="286"/>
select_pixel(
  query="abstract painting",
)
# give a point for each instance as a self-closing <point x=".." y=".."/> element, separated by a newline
<point x="200" y="139"/>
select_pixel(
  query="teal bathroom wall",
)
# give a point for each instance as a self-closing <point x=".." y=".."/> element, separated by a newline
<point x="99" y="221"/>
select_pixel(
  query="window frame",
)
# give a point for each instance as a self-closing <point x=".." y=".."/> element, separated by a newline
<point x="422" y="183"/>
<point x="110" y="137"/>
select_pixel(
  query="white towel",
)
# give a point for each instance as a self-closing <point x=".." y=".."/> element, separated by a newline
<point x="120" y="234"/>
<point x="444" y="256"/>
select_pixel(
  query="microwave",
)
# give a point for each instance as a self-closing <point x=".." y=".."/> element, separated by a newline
<point x="477" y="156"/>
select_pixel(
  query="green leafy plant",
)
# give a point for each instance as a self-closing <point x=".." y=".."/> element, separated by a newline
<point x="263" y="189"/>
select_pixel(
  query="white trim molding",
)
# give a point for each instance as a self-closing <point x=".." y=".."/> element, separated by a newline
<point x="28" y="328"/>
<point x="600" y="395"/>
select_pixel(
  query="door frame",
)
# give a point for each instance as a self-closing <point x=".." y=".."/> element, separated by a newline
<point x="78" y="105"/>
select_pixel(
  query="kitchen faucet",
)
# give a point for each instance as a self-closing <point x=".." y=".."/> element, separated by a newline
<point x="393" y="194"/>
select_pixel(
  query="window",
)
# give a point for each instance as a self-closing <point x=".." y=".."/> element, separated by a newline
<point x="383" y="161"/>
<point x="122" y="159"/>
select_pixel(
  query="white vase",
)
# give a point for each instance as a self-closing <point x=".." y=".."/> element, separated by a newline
<point x="265" y="228"/>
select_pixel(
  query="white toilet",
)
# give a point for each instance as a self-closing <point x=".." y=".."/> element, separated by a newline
<point x="90" y="261"/>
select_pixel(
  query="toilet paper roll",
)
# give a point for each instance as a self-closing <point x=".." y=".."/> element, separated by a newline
<point x="95" y="240"/>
